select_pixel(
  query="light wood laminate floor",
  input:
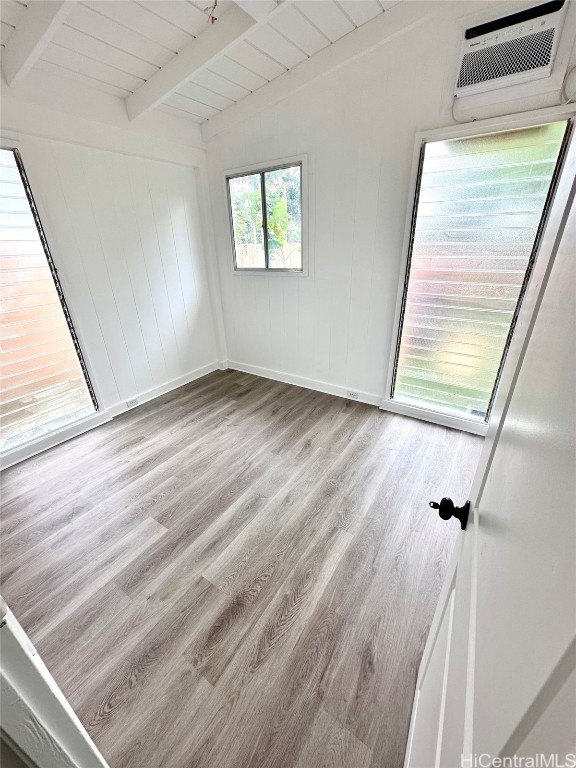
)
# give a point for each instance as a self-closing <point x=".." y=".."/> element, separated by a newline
<point x="239" y="574"/>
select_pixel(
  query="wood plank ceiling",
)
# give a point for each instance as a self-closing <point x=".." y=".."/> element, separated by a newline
<point x="115" y="46"/>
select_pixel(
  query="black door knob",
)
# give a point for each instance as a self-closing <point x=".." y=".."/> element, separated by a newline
<point x="446" y="510"/>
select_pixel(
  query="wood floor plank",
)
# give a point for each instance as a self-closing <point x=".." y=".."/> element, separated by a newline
<point x="91" y="476"/>
<point x="77" y="584"/>
<point x="274" y="602"/>
<point x="145" y="673"/>
<point x="158" y="734"/>
<point x="330" y="745"/>
<point x="240" y="573"/>
<point x="89" y="631"/>
<point x="23" y="477"/>
<point x="300" y="693"/>
<point x="136" y="502"/>
<point x="284" y="521"/>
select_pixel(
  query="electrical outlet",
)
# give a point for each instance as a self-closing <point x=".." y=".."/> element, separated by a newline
<point x="132" y="403"/>
<point x="353" y="395"/>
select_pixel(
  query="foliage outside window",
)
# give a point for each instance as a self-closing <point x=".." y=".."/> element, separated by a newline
<point x="266" y="211"/>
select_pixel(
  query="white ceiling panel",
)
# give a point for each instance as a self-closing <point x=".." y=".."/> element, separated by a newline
<point x="102" y="28"/>
<point x="220" y="85"/>
<point x="11" y="11"/>
<point x="6" y="31"/>
<point x="88" y="82"/>
<point x="180" y="13"/>
<point x="327" y="17"/>
<point x="135" y="17"/>
<point x="68" y="37"/>
<point x="91" y="68"/>
<point x="236" y="73"/>
<point x="179" y="113"/>
<point x="276" y="46"/>
<point x="361" y="11"/>
<point x="257" y="61"/>
<point x="190" y="105"/>
<point x="300" y="31"/>
<point x="258" y="9"/>
<point x="205" y="96"/>
<point x="221" y="8"/>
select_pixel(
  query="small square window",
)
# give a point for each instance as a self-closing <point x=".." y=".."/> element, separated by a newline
<point x="266" y="215"/>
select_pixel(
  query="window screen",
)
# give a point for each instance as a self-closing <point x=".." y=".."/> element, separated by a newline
<point x="266" y="212"/>
<point x="43" y="385"/>
<point x="478" y="211"/>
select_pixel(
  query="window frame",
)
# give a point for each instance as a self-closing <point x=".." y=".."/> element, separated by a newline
<point x="461" y="131"/>
<point x="13" y="456"/>
<point x="53" y="272"/>
<point x="253" y="169"/>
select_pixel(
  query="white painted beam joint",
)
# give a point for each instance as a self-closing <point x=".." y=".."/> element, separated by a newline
<point x="211" y="44"/>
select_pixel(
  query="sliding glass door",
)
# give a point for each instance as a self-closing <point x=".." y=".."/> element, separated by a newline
<point x="44" y="385"/>
<point x="480" y="205"/>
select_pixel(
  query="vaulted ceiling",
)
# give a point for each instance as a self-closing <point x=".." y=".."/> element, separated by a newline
<point x="192" y="58"/>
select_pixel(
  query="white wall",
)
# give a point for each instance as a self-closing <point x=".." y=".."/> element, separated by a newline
<point x="333" y="329"/>
<point x="126" y="234"/>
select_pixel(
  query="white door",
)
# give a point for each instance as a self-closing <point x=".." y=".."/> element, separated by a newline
<point x="497" y="677"/>
<point x="36" y="719"/>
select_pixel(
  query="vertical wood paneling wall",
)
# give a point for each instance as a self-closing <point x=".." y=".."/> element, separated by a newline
<point x="126" y="236"/>
<point x="357" y="126"/>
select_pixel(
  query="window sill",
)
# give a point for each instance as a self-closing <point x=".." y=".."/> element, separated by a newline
<point x="474" y="426"/>
<point x="284" y="272"/>
<point x="15" y="456"/>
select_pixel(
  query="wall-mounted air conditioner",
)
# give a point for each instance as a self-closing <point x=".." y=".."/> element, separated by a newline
<point x="510" y="50"/>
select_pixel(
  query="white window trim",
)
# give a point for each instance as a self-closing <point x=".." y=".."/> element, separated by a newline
<point x="258" y="168"/>
<point x="522" y="120"/>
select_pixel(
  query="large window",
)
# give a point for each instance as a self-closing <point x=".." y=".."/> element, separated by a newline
<point x="43" y="381"/>
<point x="266" y="214"/>
<point x="479" y="208"/>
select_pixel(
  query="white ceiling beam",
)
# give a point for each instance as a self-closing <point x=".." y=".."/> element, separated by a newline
<point x="31" y="36"/>
<point x="196" y="56"/>
<point x="244" y="17"/>
<point x="401" y="19"/>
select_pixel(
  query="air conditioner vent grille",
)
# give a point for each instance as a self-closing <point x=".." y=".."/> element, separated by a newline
<point x="508" y="58"/>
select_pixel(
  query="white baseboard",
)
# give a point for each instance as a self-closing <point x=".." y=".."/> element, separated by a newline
<point x="301" y="381"/>
<point x="150" y="394"/>
<point x="369" y="398"/>
<point x="26" y="452"/>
